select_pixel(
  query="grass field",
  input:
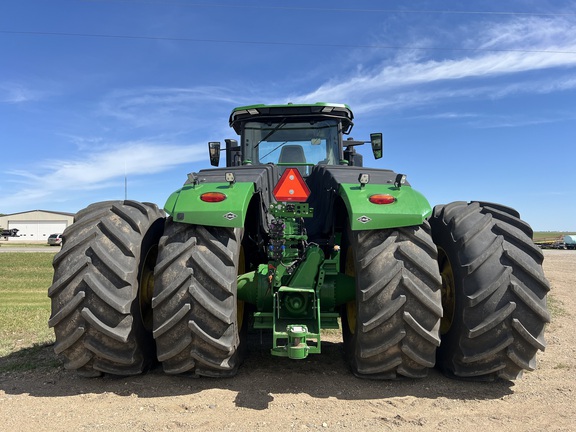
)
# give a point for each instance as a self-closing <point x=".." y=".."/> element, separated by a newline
<point x="24" y="307"/>
<point x="550" y="235"/>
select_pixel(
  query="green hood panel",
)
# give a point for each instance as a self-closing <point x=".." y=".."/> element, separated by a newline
<point x="185" y="204"/>
<point x="410" y="207"/>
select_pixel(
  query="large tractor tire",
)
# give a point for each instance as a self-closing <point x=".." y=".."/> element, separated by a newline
<point x="493" y="291"/>
<point x="196" y="316"/>
<point x="392" y="327"/>
<point x="102" y="288"/>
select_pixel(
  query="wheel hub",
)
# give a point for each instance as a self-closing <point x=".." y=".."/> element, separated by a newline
<point x="448" y="291"/>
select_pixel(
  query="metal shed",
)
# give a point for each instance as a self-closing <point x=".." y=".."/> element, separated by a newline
<point x="36" y="225"/>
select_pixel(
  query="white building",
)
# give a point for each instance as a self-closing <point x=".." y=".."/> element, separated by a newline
<point x="36" y="225"/>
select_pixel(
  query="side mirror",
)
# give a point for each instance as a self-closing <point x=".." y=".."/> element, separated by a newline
<point x="214" y="151"/>
<point x="376" y="141"/>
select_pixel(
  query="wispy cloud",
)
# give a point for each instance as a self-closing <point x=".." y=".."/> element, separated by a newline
<point x="160" y="105"/>
<point x="412" y="79"/>
<point x="446" y="115"/>
<point x="486" y="121"/>
<point x="89" y="171"/>
<point x="530" y="33"/>
<point x="15" y="93"/>
<point x="517" y="121"/>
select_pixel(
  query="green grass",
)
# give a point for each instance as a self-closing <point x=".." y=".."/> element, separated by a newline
<point x="14" y="244"/>
<point x="24" y="307"/>
<point x="550" y="235"/>
<point x="555" y="307"/>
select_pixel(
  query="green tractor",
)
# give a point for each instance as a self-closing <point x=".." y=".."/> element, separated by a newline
<point x="294" y="236"/>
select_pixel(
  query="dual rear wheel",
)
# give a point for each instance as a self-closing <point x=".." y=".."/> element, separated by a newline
<point x="487" y="320"/>
<point x="130" y="287"/>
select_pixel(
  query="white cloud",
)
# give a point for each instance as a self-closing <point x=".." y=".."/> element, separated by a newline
<point x="96" y="170"/>
<point x="530" y="33"/>
<point x="396" y="76"/>
<point x="446" y="115"/>
<point x="14" y="93"/>
<point x="161" y="105"/>
<point x="410" y="79"/>
<point x="517" y="121"/>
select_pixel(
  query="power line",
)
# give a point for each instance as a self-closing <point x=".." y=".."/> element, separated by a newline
<point x="277" y="43"/>
<point x="328" y="9"/>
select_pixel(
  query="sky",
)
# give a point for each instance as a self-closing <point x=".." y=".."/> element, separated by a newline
<point x="476" y="100"/>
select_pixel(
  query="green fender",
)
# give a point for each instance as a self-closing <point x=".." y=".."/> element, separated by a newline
<point x="409" y="208"/>
<point x="185" y="204"/>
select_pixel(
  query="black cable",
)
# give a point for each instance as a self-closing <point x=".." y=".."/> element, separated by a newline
<point x="324" y="45"/>
<point x="328" y="9"/>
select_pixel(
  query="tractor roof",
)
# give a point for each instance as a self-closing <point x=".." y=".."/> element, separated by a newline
<point x="317" y="110"/>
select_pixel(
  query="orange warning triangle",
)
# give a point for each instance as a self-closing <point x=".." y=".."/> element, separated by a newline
<point x="291" y="187"/>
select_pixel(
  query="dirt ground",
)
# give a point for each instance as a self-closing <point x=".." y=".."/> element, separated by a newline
<point x="318" y="393"/>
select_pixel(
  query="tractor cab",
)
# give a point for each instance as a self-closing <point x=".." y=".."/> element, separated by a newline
<point x="301" y="136"/>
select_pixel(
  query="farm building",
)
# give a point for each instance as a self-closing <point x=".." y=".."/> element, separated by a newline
<point x="36" y="225"/>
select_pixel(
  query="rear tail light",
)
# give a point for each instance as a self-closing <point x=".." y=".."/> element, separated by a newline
<point x="213" y="197"/>
<point x="382" y="199"/>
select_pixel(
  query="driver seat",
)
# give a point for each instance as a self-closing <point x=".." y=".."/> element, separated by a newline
<point x="293" y="154"/>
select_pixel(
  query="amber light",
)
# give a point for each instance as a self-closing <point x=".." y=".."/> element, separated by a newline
<point x="382" y="199"/>
<point x="213" y="197"/>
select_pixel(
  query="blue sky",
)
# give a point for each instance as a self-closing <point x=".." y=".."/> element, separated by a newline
<point x="476" y="99"/>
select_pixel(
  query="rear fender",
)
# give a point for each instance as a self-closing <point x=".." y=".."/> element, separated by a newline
<point x="409" y="208"/>
<point x="186" y="206"/>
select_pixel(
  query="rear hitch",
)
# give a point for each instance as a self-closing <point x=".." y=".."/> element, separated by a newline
<point x="297" y="346"/>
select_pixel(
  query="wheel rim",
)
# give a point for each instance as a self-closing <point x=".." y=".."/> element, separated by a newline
<point x="448" y="291"/>
<point x="146" y="290"/>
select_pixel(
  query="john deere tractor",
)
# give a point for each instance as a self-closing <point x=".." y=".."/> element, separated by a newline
<point x="294" y="236"/>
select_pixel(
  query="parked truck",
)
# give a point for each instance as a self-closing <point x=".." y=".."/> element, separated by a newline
<point x="9" y="233"/>
<point x="570" y="241"/>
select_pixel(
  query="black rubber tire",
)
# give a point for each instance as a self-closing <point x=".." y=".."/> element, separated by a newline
<point x="499" y="289"/>
<point x="195" y="303"/>
<point x="96" y="313"/>
<point x="397" y="307"/>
